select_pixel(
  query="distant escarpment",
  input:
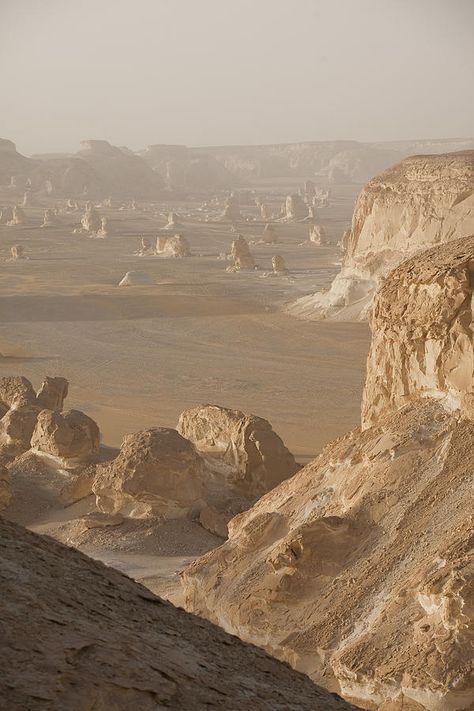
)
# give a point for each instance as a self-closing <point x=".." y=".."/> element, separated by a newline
<point x="418" y="203"/>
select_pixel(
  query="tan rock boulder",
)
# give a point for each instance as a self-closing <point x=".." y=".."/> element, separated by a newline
<point x="16" y="429"/>
<point x="241" y="256"/>
<point x="279" y="265"/>
<point x="95" y="639"/>
<point x="157" y="472"/>
<point x="176" y="246"/>
<point x="69" y="435"/>
<point x="52" y="393"/>
<point x="15" y="391"/>
<point x="257" y="458"/>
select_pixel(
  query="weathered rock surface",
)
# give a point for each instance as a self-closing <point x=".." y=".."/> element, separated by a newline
<point x="257" y="458"/>
<point x="176" y="246"/>
<point x="52" y="393"/>
<point x="68" y="435"/>
<point x="422" y="333"/>
<point x="241" y="256"/>
<point x="79" y="635"/>
<point x="420" y="202"/>
<point x="5" y="487"/>
<point x="317" y="235"/>
<point x="295" y="208"/>
<point x="232" y="208"/>
<point x="359" y="569"/>
<point x="91" y="220"/>
<point x="279" y="265"/>
<point x="156" y="472"/>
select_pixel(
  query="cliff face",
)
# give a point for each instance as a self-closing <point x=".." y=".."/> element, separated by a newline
<point x="359" y="570"/>
<point x="76" y="634"/>
<point x="420" y="202"/>
<point x="422" y="333"/>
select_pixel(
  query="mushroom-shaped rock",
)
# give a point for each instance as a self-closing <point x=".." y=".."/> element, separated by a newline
<point x="52" y="393"/>
<point x="136" y="278"/>
<point x="157" y="471"/>
<point x="257" y="457"/>
<point x="69" y="435"/>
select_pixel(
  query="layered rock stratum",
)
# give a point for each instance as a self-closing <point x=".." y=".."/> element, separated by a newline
<point x="78" y="635"/>
<point x="359" y="570"/>
<point x="418" y="203"/>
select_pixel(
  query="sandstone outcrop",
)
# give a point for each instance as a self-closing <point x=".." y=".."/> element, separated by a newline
<point x="418" y="203"/>
<point x="110" y="644"/>
<point x="157" y="472"/>
<point x="176" y="246"/>
<point x="257" y="458"/>
<point x="241" y="256"/>
<point x="67" y="435"/>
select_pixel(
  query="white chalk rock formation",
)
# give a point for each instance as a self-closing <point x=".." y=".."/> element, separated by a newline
<point x="17" y="252"/>
<point x="91" y="220"/>
<point x="176" y="246"/>
<point x="69" y="435"/>
<point x="136" y="278"/>
<point x="360" y="568"/>
<point x="157" y="472"/>
<point x="279" y="265"/>
<point x="104" y="229"/>
<point x="18" y="217"/>
<point x="6" y="215"/>
<point x="241" y="256"/>
<point x="257" y="458"/>
<point x="295" y="208"/>
<point x="269" y="234"/>
<point x="111" y="645"/>
<point x="420" y="202"/>
<point x="422" y="324"/>
<point x="232" y="208"/>
<point x="50" y="219"/>
<point x="173" y="221"/>
<point x="317" y="235"/>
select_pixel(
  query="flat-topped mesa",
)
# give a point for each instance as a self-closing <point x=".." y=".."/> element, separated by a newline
<point x="257" y="457"/>
<point x="420" y="202"/>
<point x="110" y="644"/>
<point x="422" y="325"/>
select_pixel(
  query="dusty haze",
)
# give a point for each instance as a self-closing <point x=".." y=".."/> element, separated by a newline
<point x="214" y="72"/>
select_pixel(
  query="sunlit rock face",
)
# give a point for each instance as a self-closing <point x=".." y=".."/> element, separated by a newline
<point x="422" y="333"/>
<point x="418" y="203"/>
<point x="359" y="570"/>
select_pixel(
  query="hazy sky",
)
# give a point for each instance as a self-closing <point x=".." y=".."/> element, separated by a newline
<point x="204" y="72"/>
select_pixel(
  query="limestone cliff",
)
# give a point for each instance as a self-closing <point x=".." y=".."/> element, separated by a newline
<point x="359" y="570"/>
<point x="418" y="203"/>
<point x="422" y="333"/>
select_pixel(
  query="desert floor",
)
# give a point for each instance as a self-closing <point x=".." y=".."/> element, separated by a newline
<point x="137" y="356"/>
